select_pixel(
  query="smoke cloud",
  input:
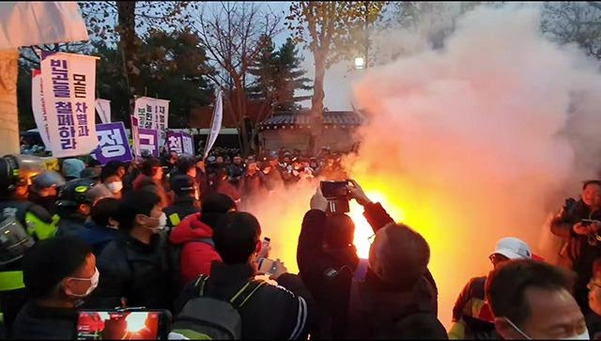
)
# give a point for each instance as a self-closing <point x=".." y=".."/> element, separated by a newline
<point x="479" y="140"/>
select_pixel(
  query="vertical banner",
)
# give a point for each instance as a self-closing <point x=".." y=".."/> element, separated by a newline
<point x="152" y="113"/>
<point x="69" y="81"/>
<point x="188" y="144"/>
<point x="37" y="106"/>
<point x="149" y="140"/>
<point x="112" y="143"/>
<point x="135" y="135"/>
<point x="215" y="124"/>
<point x="103" y="107"/>
<point x="174" y="142"/>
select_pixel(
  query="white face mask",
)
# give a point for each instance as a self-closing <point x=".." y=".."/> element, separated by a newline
<point x="162" y="223"/>
<point x="93" y="284"/>
<point x="583" y="336"/>
<point x="115" y="187"/>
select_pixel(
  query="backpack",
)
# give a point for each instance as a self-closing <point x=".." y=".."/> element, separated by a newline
<point x="207" y="318"/>
<point x="175" y="256"/>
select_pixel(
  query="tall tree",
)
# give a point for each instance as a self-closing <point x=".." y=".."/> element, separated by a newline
<point x="278" y="76"/>
<point x="574" y="22"/>
<point x="337" y="30"/>
<point x="173" y="67"/>
<point x="133" y="18"/>
<point x="234" y="34"/>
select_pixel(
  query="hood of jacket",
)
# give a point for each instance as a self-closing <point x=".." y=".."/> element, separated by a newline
<point x="190" y="228"/>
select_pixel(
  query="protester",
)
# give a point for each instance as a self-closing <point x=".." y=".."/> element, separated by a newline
<point x="532" y="300"/>
<point x="72" y="168"/>
<point x="136" y="264"/>
<point x="114" y="184"/>
<point x="329" y="275"/>
<point x="472" y="318"/>
<point x="194" y="235"/>
<point x="150" y="178"/>
<point x="270" y="312"/>
<point x="58" y="274"/>
<point x="582" y="246"/>
<point x="102" y="227"/>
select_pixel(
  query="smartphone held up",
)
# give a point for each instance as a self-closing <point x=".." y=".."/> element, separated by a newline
<point x="337" y="194"/>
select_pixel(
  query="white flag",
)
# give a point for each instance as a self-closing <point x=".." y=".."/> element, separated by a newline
<point x="215" y="124"/>
<point x="26" y="23"/>
<point x="103" y="107"/>
<point x="69" y="81"/>
<point x="37" y="106"/>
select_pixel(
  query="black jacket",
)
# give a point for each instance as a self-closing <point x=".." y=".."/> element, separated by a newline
<point x="329" y="276"/>
<point x="131" y="270"/>
<point x="273" y="312"/>
<point x="183" y="207"/>
<point x="71" y="225"/>
<point x="41" y="323"/>
<point x="578" y="250"/>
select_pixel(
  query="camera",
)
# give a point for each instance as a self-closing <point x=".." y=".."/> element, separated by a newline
<point x="337" y="194"/>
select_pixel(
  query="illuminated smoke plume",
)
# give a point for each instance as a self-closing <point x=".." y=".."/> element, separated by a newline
<point x="473" y="142"/>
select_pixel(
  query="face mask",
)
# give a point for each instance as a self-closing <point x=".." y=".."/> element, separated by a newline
<point x="162" y="223"/>
<point x="115" y="187"/>
<point x="583" y="336"/>
<point x="93" y="284"/>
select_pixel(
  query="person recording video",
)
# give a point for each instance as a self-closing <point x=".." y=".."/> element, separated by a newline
<point x="328" y="262"/>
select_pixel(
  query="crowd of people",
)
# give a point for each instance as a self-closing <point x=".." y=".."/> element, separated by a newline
<point x="172" y="235"/>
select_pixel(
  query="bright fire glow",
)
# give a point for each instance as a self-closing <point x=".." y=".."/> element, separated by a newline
<point x="136" y="322"/>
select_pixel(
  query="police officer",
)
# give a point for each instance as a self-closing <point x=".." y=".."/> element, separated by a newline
<point x="74" y="205"/>
<point x="20" y="222"/>
<point x="186" y="201"/>
<point x="45" y="188"/>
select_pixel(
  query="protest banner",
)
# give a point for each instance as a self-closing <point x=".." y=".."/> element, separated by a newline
<point x="112" y="143"/>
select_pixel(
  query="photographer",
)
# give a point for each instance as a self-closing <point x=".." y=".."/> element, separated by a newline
<point x="327" y="262"/>
<point x="579" y="222"/>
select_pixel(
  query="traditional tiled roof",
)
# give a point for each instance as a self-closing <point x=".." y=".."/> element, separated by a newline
<point x="333" y="119"/>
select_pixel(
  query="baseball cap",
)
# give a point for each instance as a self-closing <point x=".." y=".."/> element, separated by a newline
<point x="513" y="248"/>
<point x="182" y="185"/>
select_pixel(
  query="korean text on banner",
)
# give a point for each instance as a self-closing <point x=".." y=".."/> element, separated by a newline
<point x="174" y="142"/>
<point x="69" y="81"/>
<point x="152" y="113"/>
<point x="187" y="144"/>
<point x="149" y="140"/>
<point x="215" y="124"/>
<point x="37" y="106"/>
<point x="112" y="143"/>
<point x="103" y="107"/>
<point x="135" y="135"/>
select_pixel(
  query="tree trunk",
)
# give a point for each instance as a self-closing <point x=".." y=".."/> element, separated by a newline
<point x="9" y="129"/>
<point x="317" y="102"/>
<point x="129" y="48"/>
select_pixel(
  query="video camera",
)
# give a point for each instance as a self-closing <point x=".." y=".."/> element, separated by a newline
<point x="337" y="194"/>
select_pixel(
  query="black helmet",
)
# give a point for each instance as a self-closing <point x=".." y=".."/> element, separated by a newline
<point x="48" y="179"/>
<point x="9" y="175"/>
<point x="75" y="193"/>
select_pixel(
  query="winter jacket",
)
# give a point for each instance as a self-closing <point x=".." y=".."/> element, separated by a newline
<point x="135" y="272"/>
<point x="35" y="322"/>
<point x="577" y="248"/>
<point x="71" y="225"/>
<point x="97" y="236"/>
<point x="196" y="256"/>
<point x="272" y="312"/>
<point x="329" y="276"/>
<point x="180" y="209"/>
<point x="472" y="317"/>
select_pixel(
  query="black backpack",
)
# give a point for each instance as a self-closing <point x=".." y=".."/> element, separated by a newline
<point x="207" y="318"/>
